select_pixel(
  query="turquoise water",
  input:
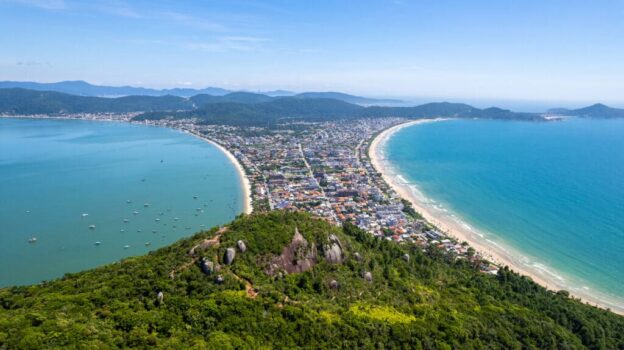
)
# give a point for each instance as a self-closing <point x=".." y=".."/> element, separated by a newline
<point x="552" y="191"/>
<point x="53" y="171"/>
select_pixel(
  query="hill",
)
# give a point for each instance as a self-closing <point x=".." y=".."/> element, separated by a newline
<point x="347" y="98"/>
<point x="27" y="102"/>
<point x="594" y="111"/>
<point x="287" y="280"/>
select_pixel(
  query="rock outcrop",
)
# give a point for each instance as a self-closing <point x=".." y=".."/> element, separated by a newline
<point x="207" y="266"/>
<point x="241" y="246"/>
<point x="333" y="250"/>
<point x="298" y="256"/>
<point x="229" y="256"/>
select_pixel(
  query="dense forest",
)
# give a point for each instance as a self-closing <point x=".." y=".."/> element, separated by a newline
<point x="285" y="280"/>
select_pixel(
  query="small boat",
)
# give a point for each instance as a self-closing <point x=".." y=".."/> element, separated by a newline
<point x="91" y="227"/>
<point x="32" y="239"/>
<point x="135" y="212"/>
<point x="146" y="205"/>
<point x="157" y="220"/>
<point x="98" y="242"/>
<point x="147" y="244"/>
<point x="126" y="220"/>
<point x="84" y="215"/>
<point x="128" y="201"/>
<point x="176" y="219"/>
<point x="27" y="211"/>
<point x="126" y="246"/>
<point x="122" y="230"/>
<point x="154" y="231"/>
<point x="139" y="230"/>
<point x="198" y="209"/>
<point x="195" y="197"/>
<point x="161" y="213"/>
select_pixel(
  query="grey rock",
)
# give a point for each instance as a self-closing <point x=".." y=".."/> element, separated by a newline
<point x="334" y="284"/>
<point x="241" y="246"/>
<point x="333" y="251"/>
<point x="160" y="296"/>
<point x="207" y="266"/>
<point x="357" y="256"/>
<point x="406" y="257"/>
<point x="230" y="254"/>
<point x="368" y="276"/>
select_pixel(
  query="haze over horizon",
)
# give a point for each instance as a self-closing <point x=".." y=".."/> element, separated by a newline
<point x="557" y="51"/>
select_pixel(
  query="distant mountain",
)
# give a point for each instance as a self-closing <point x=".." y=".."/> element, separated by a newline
<point x="237" y="97"/>
<point x="83" y="88"/>
<point x="19" y="101"/>
<point x="238" y="108"/>
<point x="346" y="98"/>
<point x="594" y="111"/>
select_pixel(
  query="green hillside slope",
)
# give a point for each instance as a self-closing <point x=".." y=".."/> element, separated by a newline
<point x="297" y="282"/>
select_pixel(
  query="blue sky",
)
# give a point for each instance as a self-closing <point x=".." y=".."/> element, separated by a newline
<point x="516" y="50"/>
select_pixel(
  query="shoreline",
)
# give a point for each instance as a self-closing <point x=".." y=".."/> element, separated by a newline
<point x="245" y="183"/>
<point x="453" y="227"/>
<point x="244" y="180"/>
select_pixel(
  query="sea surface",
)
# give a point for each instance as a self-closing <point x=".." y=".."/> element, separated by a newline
<point x="52" y="172"/>
<point x="553" y="192"/>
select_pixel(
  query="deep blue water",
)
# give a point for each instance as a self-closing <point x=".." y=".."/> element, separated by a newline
<point x="552" y="191"/>
<point x="53" y="171"/>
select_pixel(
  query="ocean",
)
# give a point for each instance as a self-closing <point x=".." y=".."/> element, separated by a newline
<point x="94" y="192"/>
<point x="552" y="192"/>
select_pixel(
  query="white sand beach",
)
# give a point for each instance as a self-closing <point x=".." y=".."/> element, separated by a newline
<point x="241" y="172"/>
<point x="453" y="226"/>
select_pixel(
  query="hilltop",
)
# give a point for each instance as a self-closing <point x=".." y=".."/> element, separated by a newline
<point x="284" y="279"/>
<point x="597" y="110"/>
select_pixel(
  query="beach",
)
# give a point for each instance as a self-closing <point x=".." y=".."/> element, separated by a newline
<point x="454" y="227"/>
<point x="241" y="172"/>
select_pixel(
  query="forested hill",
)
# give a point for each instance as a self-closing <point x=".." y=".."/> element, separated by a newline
<point x="594" y="111"/>
<point x="237" y="108"/>
<point x="286" y="280"/>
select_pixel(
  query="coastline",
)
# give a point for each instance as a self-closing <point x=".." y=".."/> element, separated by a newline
<point x="453" y="227"/>
<point x="245" y="183"/>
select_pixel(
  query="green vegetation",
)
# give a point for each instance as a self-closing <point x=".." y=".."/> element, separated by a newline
<point x="429" y="301"/>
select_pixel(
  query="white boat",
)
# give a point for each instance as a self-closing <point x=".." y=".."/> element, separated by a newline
<point x="146" y="205"/>
<point x="84" y="215"/>
<point x="128" y="201"/>
<point x="135" y="212"/>
<point x="126" y="246"/>
<point x="126" y="220"/>
<point x="147" y="244"/>
<point x="32" y="239"/>
<point x="98" y="242"/>
<point x="92" y="227"/>
<point x="157" y="219"/>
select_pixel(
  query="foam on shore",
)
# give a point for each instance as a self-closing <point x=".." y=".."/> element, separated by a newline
<point x="454" y="226"/>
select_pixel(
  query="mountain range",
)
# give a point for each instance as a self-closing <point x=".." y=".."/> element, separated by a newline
<point x="82" y="88"/>
<point x="594" y="111"/>
<point x="237" y="108"/>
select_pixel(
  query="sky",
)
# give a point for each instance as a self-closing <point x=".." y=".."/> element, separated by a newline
<point x="533" y="50"/>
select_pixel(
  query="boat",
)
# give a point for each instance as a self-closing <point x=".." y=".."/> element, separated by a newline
<point x="92" y="227"/>
<point x="128" y="201"/>
<point x="98" y="242"/>
<point x="154" y="231"/>
<point x="126" y="220"/>
<point x="146" y="205"/>
<point x="176" y="219"/>
<point x="157" y="220"/>
<point x="135" y="212"/>
<point x="84" y="215"/>
<point x="147" y="244"/>
<point x="32" y="239"/>
<point x="27" y="211"/>
<point x="126" y="246"/>
<point x="195" y="197"/>
<point x="139" y="230"/>
<point x="122" y="230"/>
